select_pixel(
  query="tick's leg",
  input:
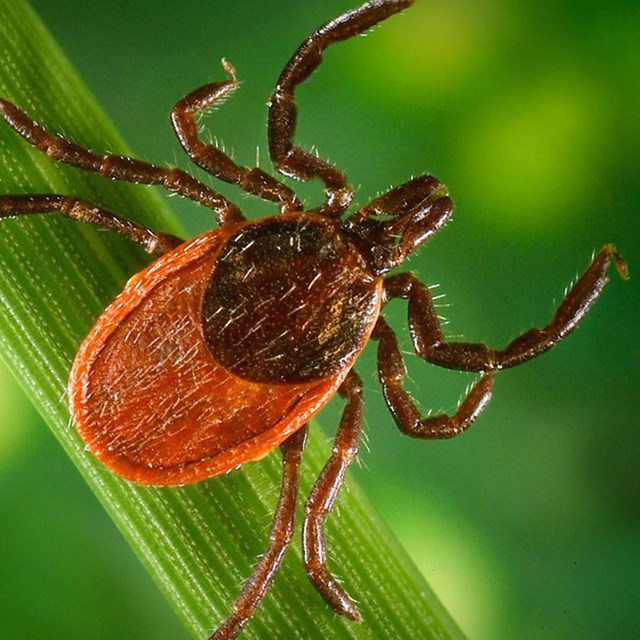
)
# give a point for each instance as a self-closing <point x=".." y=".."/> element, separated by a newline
<point x="151" y="241"/>
<point x="391" y="371"/>
<point x="118" y="167"/>
<point x="430" y="343"/>
<point x="289" y="159"/>
<point x="256" y="587"/>
<point x="211" y="159"/>
<point x="323" y="496"/>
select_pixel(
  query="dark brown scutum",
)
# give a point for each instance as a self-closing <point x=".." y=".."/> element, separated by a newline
<point x="289" y="301"/>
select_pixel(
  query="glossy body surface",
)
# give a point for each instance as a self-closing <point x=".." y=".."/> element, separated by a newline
<point x="223" y="348"/>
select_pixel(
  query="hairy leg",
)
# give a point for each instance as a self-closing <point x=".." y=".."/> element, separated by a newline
<point x="391" y="371"/>
<point x="151" y="241"/>
<point x="118" y="167"/>
<point x="289" y="159"/>
<point x="323" y="497"/>
<point x="212" y="159"/>
<point x="256" y="587"/>
<point x="430" y="343"/>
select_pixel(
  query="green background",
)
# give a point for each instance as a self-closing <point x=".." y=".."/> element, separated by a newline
<point x="527" y="526"/>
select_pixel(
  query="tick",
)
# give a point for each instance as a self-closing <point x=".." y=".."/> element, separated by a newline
<point x="227" y="345"/>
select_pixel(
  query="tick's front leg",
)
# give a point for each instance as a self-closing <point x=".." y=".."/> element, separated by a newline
<point x="430" y="343"/>
<point x="212" y="159"/>
<point x="288" y="158"/>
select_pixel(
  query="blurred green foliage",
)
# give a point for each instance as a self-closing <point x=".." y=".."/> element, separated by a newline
<point x="527" y="526"/>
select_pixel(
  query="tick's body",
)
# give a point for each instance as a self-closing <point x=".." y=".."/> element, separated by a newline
<point x="226" y="346"/>
<point x="233" y="356"/>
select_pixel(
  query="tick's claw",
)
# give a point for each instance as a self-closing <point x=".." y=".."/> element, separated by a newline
<point x="621" y="263"/>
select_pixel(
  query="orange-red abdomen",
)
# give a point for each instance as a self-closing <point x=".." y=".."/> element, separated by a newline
<point x="193" y="369"/>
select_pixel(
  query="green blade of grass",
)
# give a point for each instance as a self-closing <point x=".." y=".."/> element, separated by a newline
<point x="198" y="542"/>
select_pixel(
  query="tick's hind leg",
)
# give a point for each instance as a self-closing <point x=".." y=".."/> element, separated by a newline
<point x="151" y="241"/>
<point x="212" y="159"/>
<point x="391" y="371"/>
<point x="117" y="167"/>
<point x="256" y="587"/>
<point x="291" y="160"/>
<point x="429" y="341"/>
<point x="323" y="497"/>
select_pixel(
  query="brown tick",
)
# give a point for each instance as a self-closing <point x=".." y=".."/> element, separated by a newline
<point x="228" y="344"/>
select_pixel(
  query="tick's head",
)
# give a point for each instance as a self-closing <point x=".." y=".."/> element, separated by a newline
<point x="395" y="224"/>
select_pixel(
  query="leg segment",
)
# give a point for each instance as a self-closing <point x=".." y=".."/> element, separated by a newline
<point x="391" y="371"/>
<point x="289" y="159"/>
<point x="323" y="497"/>
<point x="430" y="344"/>
<point x="256" y="587"/>
<point x="211" y="159"/>
<point x="151" y="241"/>
<point x="118" y="167"/>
